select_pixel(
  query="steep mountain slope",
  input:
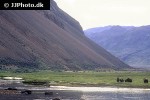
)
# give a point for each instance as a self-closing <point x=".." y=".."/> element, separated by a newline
<point x="130" y="44"/>
<point x="49" y="40"/>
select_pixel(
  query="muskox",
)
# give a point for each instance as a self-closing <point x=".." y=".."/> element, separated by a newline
<point x="145" y="80"/>
<point x="56" y="99"/>
<point x="26" y="92"/>
<point x="49" y="93"/>
<point x="11" y="88"/>
<point x="128" y="80"/>
<point x="120" y="80"/>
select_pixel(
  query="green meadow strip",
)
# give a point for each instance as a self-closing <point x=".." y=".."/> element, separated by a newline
<point x="87" y="78"/>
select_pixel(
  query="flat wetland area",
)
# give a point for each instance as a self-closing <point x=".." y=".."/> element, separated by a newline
<point x="85" y="78"/>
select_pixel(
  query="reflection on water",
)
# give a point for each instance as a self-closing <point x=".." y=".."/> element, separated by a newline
<point x="115" y="96"/>
<point x="109" y="93"/>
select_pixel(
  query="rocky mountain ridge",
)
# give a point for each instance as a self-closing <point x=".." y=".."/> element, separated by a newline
<point x="49" y="39"/>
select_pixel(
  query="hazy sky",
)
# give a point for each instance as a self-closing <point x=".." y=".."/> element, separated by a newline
<point x="95" y="13"/>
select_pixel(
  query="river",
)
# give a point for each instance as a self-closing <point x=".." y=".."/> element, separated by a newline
<point x="76" y="93"/>
<point x="109" y="93"/>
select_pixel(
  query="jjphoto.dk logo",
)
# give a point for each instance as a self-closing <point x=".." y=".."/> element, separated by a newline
<point x="13" y="5"/>
<point x="25" y="4"/>
<point x="6" y="5"/>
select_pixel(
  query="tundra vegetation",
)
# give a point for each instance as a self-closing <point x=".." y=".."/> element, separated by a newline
<point x="85" y="78"/>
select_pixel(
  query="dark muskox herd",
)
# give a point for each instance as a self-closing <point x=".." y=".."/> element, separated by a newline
<point x="122" y="80"/>
<point x="145" y="80"/>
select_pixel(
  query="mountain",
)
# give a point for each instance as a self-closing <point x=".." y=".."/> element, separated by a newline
<point x="130" y="44"/>
<point x="49" y="39"/>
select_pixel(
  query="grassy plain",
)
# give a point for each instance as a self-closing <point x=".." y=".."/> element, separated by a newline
<point x="87" y="78"/>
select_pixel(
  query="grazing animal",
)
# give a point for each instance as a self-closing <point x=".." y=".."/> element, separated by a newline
<point x="120" y="80"/>
<point x="49" y="93"/>
<point x="145" y="80"/>
<point x="128" y="80"/>
<point x="11" y="89"/>
<point x="56" y="99"/>
<point x="26" y="92"/>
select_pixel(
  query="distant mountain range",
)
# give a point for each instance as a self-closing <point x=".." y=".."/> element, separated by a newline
<point x="49" y="39"/>
<point x="130" y="44"/>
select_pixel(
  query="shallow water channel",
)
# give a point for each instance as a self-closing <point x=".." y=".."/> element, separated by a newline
<point x="74" y="93"/>
<point x="109" y="93"/>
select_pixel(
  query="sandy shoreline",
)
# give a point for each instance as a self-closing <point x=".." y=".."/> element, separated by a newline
<point x="100" y="89"/>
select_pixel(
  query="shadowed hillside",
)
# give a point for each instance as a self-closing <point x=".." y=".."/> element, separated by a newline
<point x="49" y="40"/>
